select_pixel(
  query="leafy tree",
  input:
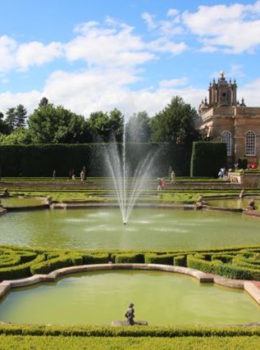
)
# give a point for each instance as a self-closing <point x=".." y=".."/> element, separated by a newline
<point x="115" y="124"/>
<point x="103" y="126"/>
<point x="50" y="124"/>
<point x="18" y="136"/>
<point x="21" y="115"/>
<point x="176" y="123"/>
<point x="139" y="128"/>
<point x="3" y="125"/>
<point x="44" y="101"/>
<point x="10" y="119"/>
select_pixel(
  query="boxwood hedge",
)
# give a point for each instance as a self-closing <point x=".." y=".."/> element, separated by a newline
<point x="238" y="263"/>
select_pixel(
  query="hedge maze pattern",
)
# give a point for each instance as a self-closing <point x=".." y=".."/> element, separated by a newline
<point x="237" y="263"/>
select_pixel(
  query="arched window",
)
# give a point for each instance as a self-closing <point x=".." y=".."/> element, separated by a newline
<point x="250" y="143"/>
<point x="227" y="138"/>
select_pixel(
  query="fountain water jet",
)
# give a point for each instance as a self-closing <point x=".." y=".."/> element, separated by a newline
<point x="127" y="189"/>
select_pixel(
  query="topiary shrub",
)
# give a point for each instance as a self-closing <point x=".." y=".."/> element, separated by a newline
<point x="242" y="163"/>
<point x="207" y="158"/>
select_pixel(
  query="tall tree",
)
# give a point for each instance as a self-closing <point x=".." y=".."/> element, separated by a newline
<point x="21" y="115"/>
<point x="115" y="124"/>
<point x="10" y="119"/>
<point x="3" y="125"/>
<point x="139" y="128"/>
<point x="176" y="123"/>
<point x="104" y="126"/>
<point x="44" y="101"/>
<point x="50" y="124"/>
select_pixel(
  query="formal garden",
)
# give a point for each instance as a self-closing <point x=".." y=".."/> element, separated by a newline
<point x="124" y="213"/>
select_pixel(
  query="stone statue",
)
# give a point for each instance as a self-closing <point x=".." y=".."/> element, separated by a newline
<point x="130" y="314"/>
<point x="251" y="205"/>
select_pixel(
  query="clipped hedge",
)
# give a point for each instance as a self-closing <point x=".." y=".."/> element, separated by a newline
<point x="207" y="158"/>
<point x="128" y="258"/>
<point x="180" y="260"/>
<point x="40" y="160"/>
<point x="165" y="259"/>
<point x="20" y="271"/>
<point x="107" y="331"/>
<point x="238" y="263"/>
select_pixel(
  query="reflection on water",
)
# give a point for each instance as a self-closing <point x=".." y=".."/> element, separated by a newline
<point x="98" y="298"/>
<point x="148" y="229"/>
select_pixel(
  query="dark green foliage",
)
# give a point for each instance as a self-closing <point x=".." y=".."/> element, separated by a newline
<point x="21" y="115"/>
<point x="129" y="258"/>
<point x="165" y="259"/>
<point x="41" y="160"/>
<point x="106" y="331"/>
<point x="50" y="124"/>
<point x="230" y="265"/>
<point x="176" y="123"/>
<point x="238" y="263"/>
<point x="139" y="128"/>
<point x="20" y="270"/>
<point x="207" y="158"/>
<point x="96" y="258"/>
<point x="10" y="119"/>
<point x="179" y="260"/>
<point x="3" y="124"/>
<point x="242" y="163"/>
<point x="104" y="126"/>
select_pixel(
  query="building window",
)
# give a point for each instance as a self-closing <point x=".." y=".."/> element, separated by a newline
<point x="227" y="138"/>
<point x="250" y="143"/>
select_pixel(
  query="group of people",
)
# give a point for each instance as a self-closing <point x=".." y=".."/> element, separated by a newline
<point x="222" y="174"/>
<point x="162" y="183"/>
<point x="72" y="176"/>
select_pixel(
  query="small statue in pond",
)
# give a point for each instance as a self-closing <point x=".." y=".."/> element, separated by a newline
<point x="251" y="205"/>
<point x="5" y="193"/>
<point x="130" y="314"/>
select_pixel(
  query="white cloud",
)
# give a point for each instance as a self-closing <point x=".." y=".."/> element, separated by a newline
<point x="95" y="89"/>
<point x="173" y="82"/>
<point x="104" y="46"/>
<point x="236" y="71"/>
<point x="164" y="45"/>
<point x="172" y="12"/>
<point x="149" y="19"/>
<point x="250" y="92"/>
<point x="7" y="49"/>
<point x="35" y="53"/>
<point x="232" y="28"/>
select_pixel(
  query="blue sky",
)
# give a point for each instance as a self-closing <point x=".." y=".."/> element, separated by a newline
<point x="134" y="55"/>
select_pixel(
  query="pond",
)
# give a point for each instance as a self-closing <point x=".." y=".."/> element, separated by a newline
<point x="19" y="202"/>
<point x="233" y="203"/>
<point x="161" y="298"/>
<point x="149" y="228"/>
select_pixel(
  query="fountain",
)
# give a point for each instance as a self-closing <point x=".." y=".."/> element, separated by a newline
<point x="128" y="189"/>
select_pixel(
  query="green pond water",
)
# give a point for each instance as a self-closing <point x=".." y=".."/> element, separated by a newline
<point x="20" y="202"/>
<point x="233" y="203"/>
<point x="147" y="229"/>
<point x="161" y="298"/>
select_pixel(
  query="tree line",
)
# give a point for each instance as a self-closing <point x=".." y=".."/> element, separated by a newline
<point x="55" y="124"/>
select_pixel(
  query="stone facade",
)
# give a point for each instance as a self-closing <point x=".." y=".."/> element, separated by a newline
<point x="225" y="119"/>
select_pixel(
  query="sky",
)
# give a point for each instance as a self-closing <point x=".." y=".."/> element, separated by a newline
<point x="133" y="55"/>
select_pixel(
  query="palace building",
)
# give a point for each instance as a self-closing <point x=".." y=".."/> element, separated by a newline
<point x="225" y="119"/>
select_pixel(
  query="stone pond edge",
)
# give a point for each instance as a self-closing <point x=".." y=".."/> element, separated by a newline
<point x="251" y="287"/>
